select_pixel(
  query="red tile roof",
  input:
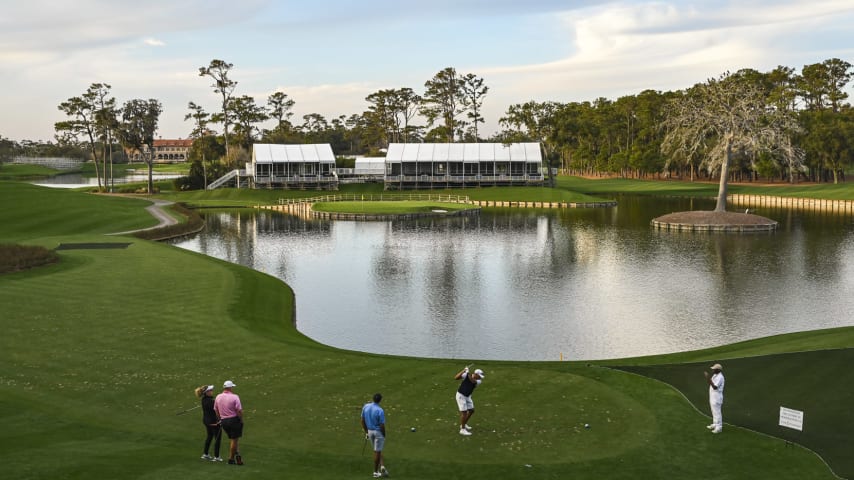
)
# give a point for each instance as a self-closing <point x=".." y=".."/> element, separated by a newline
<point x="173" y="143"/>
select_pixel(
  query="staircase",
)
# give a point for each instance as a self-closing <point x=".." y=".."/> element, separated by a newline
<point x="225" y="179"/>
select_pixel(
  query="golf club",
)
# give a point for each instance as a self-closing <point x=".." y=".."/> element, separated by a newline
<point x="364" y="444"/>
<point x="188" y="410"/>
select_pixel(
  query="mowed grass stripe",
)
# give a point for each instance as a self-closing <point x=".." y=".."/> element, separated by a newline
<point x="31" y="211"/>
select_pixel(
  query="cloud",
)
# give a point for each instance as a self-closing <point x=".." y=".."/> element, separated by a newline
<point x="624" y="49"/>
<point x="51" y="29"/>
<point x="539" y="50"/>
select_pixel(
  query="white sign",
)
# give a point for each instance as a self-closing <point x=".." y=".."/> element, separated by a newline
<point x="792" y="418"/>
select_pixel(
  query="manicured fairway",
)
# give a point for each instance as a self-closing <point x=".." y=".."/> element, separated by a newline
<point x="100" y="351"/>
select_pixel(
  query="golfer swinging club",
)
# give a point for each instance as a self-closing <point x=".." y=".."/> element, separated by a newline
<point x="464" y="401"/>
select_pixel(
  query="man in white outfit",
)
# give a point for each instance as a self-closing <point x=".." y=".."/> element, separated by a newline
<point x="716" y="397"/>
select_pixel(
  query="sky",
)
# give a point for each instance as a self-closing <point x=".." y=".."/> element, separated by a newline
<point x="328" y="55"/>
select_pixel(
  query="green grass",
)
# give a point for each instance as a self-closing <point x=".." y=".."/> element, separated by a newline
<point x="813" y="382"/>
<point x="32" y="212"/>
<point x="101" y="350"/>
<point x="231" y="197"/>
<point x="611" y="186"/>
<point x="10" y="171"/>
<point x="175" y="168"/>
<point x="388" y="207"/>
<point x="568" y="189"/>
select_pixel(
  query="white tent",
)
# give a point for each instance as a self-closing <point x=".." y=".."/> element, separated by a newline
<point x="297" y="166"/>
<point x="306" y="153"/>
<point x="447" y="165"/>
<point x="372" y="166"/>
<point x="464" y="152"/>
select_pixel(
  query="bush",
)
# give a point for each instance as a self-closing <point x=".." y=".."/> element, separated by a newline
<point x="14" y="258"/>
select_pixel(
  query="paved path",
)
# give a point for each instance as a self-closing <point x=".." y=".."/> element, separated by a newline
<point x="156" y="209"/>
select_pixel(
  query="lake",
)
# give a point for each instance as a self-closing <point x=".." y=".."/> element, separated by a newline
<point x="534" y="284"/>
<point x="76" y="180"/>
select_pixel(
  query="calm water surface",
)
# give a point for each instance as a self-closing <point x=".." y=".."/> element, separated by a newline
<point x="539" y="284"/>
<point x="77" y="180"/>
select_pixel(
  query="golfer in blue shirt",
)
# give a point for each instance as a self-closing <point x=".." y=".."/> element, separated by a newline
<point x="373" y="423"/>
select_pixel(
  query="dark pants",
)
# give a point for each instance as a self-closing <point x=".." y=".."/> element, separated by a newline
<point x="214" y="432"/>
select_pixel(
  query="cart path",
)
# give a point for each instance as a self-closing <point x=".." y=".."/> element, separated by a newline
<point x="156" y="209"/>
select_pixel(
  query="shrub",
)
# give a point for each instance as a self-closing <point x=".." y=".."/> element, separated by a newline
<point x="14" y="258"/>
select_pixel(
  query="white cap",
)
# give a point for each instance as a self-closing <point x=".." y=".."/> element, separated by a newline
<point x="209" y="388"/>
<point x="228" y="384"/>
<point x="480" y="372"/>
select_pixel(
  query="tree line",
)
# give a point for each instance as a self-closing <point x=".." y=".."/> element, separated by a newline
<point x="651" y="134"/>
<point x="632" y="136"/>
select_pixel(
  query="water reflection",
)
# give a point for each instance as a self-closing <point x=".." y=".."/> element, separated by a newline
<point x="77" y="180"/>
<point x="535" y="284"/>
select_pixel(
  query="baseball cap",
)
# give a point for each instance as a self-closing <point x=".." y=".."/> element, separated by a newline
<point x="228" y="384"/>
<point x="209" y="388"/>
<point x="480" y="372"/>
<point x="717" y="366"/>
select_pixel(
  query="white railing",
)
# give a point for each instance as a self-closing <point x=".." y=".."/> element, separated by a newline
<point x="221" y="180"/>
<point x="294" y="179"/>
<point x="59" y="163"/>
<point x="377" y="197"/>
<point x="462" y="178"/>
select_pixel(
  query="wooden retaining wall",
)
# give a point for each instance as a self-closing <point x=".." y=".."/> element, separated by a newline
<point x="845" y="207"/>
<point x="302" y="207"/>
<point x="303" y="210"/>
<point x="493" y="203"/>
<point x="690" y="227"/>
<point x="392" y="216"/>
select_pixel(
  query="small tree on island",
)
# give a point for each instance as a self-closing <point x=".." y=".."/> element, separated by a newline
<point x="724" y="117"/>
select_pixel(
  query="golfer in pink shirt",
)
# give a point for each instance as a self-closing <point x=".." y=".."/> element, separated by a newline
<point x="230" y="412"/>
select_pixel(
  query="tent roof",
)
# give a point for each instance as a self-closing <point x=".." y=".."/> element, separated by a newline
<point x="304" y="153"/>
<point x="464" y="152"/>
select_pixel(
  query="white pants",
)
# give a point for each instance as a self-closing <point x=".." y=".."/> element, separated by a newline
<point x="717" y="416"/>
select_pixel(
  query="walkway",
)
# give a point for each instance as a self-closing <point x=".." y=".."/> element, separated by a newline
<point x="156" y="209"/>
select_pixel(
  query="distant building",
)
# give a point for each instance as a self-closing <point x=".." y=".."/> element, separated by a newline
<point x="293" y="166"/>
<point x="172" y="151"/>
<point x="454" y="165"/>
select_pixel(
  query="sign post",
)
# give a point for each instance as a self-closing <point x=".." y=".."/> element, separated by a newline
<point x="793" y="419"/>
